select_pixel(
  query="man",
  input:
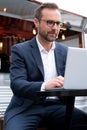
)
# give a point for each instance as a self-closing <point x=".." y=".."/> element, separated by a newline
<point x="36" y="65"/>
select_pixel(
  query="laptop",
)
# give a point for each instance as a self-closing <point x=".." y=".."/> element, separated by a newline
<point x="76" y="69"/>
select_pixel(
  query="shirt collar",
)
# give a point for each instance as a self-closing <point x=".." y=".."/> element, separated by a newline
<point x="41" y="48"/>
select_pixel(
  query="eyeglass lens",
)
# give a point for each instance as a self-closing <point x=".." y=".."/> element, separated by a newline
<point x="52" y="23"/>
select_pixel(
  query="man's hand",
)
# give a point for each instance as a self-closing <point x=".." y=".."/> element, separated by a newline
<point x="57" y="82"/>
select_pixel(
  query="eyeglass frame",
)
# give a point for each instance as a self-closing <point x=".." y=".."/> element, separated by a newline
<point x="51" y="23"/>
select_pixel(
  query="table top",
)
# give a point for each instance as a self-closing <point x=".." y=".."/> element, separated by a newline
<point x="63" y="92"/>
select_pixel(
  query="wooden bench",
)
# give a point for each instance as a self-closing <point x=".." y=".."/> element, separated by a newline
<point x="1" y="123"/>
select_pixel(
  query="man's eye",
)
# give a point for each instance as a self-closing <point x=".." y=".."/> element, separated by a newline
<point x="58" y="23"/>
<point x="50" y="22"/>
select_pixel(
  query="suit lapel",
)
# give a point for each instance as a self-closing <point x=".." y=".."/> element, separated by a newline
<point x="58" y="60"/>
<point x="37" y="56"/>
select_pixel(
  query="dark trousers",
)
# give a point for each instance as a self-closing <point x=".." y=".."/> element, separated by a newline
<point x="52" y="112"/>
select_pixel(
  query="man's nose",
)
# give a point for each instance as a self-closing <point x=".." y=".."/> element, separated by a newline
<point x="55" y="26"/>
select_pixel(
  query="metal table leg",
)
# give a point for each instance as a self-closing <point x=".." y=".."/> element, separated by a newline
<point x="69" y="111"/>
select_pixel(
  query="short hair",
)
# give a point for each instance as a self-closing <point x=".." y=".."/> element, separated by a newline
<point x="38" y="11"/>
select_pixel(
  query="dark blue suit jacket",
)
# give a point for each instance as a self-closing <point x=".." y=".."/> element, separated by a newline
<point x="27" y="74"/>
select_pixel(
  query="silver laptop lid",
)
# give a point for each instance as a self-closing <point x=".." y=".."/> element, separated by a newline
<point x="76" y="69"/>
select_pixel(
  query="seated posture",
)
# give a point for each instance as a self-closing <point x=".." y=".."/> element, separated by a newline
<point x="36" y="65"/>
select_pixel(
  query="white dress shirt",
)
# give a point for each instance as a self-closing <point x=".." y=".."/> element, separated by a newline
<point x="49" y="65"/>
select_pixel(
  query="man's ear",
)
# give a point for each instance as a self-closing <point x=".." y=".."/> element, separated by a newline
<point x="36" y="22"/>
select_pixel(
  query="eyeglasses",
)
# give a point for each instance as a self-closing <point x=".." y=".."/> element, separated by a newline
<point x="51" y="23"/>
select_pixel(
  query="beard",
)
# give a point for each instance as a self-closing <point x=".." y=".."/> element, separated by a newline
<point x="49" y="36"/>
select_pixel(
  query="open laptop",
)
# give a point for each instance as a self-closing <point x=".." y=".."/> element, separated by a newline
<point x="76" y="69"/>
